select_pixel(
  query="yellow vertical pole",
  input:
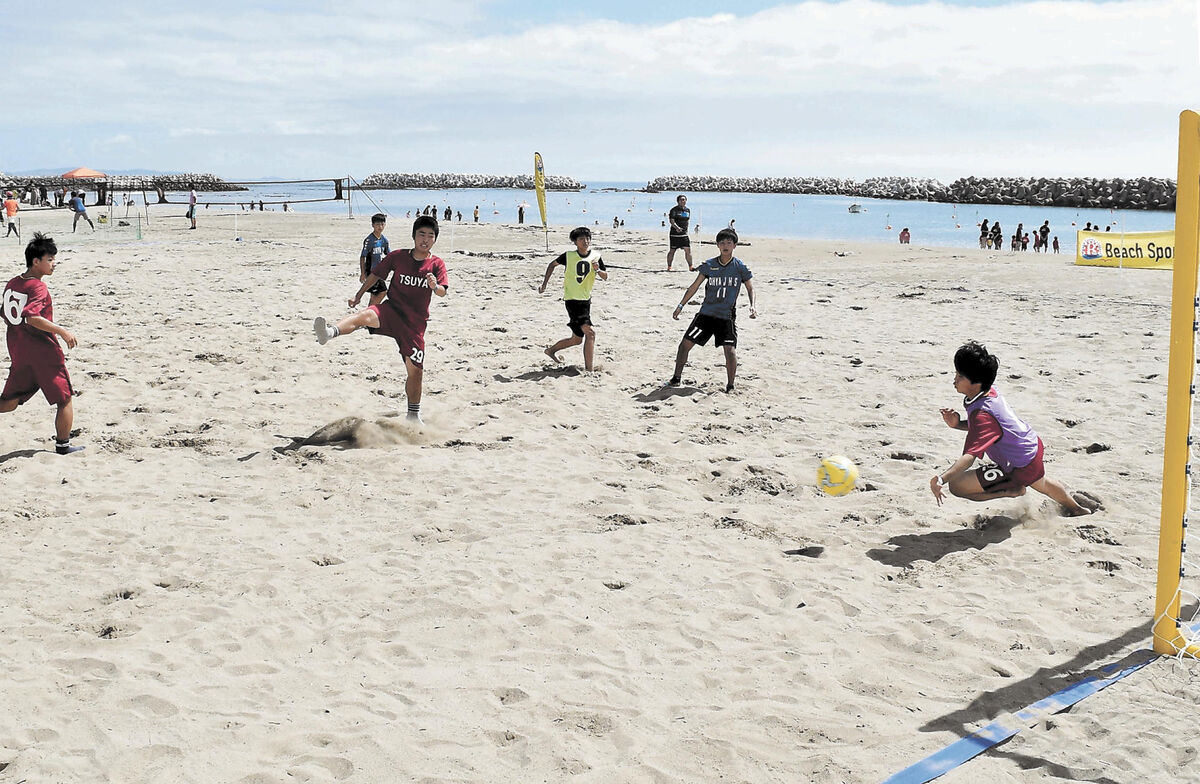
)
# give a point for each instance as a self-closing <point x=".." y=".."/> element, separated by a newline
<point x="1180" y="379"/>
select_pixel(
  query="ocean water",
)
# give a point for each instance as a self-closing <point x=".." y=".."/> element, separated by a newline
<point x="761" y="214"/>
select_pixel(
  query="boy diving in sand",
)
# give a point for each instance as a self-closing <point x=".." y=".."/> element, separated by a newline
<point x="995" y="432"/>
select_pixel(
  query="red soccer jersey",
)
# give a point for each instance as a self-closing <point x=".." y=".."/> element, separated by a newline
<point x="25" y="297"/>
<point x="409" y="292"/>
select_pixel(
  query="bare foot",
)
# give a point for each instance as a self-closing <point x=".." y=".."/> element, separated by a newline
<point x="553" y="356"/>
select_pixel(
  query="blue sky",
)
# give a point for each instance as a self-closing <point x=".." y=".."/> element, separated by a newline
<point x="617" y="91"/>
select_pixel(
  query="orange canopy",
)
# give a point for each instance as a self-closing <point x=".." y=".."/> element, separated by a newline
<point x="83" y="172"/>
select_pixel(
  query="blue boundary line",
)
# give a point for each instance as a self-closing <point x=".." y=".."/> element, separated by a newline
<point x="1001" y="730"/>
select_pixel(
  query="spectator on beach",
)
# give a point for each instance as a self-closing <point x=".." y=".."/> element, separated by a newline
<point x="904" y="236"/>
<point x="1088" y="227"/>
<point x="1020" y="233"/>
<point x="60" y="197"/>
<point x="997" y="236"/>
<point x="677" y="237"/>
<point x="616" y="222"/>
<point x="1056" y="244"/>
<point x="191" y="213"/>
<point x="985" y="240"/>
<point x="1044" y="231"/>
<point x="520" y="213"/>
<point x="476" y="215"/>
<point x="77" y="207"/>
<point x="10" y="215"/>
<point x="458" y="216"/>
<point x="448" y="214"/>
<point x="260" y="205"/>
<point x="1025" y="241"/>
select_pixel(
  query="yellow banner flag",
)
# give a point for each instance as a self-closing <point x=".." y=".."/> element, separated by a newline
<point x="1140" y="250"/>
<point x="539" y="183"/>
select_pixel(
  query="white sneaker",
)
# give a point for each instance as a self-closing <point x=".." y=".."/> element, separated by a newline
<point x="323" y="330"/>
<point x="415" y="419"/>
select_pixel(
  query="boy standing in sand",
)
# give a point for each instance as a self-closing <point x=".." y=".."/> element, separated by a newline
<point x="994" y="431"/>
<point x="416" y="276"/>
<point x="581" y="268"/>
<point x="10" y="213"/>
<point x="722" y="277"/>
<point x="37" y="359"/>
<point x="80" y="210"/>
<point x="678" y="217"/>
<point x="374" y="248"/>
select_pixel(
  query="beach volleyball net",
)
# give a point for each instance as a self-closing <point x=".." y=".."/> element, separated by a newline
<point x="1176" y="628"/>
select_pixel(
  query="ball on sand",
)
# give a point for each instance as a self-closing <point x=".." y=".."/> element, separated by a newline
<point x="837" y="475"/>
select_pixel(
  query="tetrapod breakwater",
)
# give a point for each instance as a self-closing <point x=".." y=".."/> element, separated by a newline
<point x="437" y="182"/>
<point x="1143" y="193"/>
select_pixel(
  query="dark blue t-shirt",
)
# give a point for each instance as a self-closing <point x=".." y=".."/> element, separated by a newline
<point x="373" y="251"/>
<point x="722" y="287"/>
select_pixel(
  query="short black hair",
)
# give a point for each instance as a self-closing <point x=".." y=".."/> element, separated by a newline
<point x="680" y="196"/>
<point x="379" y="217"/>
<point x="39" y="246"/>
<point x="974" y="363"/>
<point x="727" y="234"/>
<point x="425" y="222"/>
<point x="582" y="231"/>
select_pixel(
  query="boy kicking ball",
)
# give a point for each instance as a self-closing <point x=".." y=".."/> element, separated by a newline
<point x="994" y="431"/>
<point x="581" y="268"/>
<point x="37" y="359"/>
<point x="722" y="277"/>
<point x="416" y="276"/>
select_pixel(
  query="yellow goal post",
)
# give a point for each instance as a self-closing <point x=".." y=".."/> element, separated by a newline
<point x="1174" y="635"/>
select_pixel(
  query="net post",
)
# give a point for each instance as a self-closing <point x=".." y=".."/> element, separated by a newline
<point x="1167" y="637"/>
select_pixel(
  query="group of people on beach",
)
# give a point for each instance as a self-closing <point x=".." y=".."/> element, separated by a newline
<point x="402" y="284"/>
<point x="993" y="238"/>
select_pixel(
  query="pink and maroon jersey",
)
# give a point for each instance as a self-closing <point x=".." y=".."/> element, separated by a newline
<point x="409" y="292"/>
<point x="994" y="431"/>
<point x="22" y="298"/>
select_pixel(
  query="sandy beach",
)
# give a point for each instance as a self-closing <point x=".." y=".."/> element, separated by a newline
<point x="570" y="576"/>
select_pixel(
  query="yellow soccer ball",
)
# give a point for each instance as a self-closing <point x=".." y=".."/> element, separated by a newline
<point x="837" y="475"/>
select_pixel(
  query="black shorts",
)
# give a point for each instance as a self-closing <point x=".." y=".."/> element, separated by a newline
<point x="704" y="327"/>
<point x="579" y="312"/>
<point x="380" y="286"/>
<point x="680" y="241"/>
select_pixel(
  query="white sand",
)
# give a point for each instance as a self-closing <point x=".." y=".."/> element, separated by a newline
<point x="569" y="576"/>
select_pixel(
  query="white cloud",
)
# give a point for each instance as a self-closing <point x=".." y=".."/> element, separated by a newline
<point x="834" y="88"/>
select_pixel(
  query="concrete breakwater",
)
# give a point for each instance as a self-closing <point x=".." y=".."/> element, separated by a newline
<point x="437" y="182"/>
<point x="1143" y="193"/>
<point x="157" y="182"/>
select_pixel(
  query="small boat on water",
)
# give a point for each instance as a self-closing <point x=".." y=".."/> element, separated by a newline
<point x="855" y="208"/>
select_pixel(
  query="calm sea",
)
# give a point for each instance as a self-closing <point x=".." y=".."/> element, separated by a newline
<point x="762" y="214"/>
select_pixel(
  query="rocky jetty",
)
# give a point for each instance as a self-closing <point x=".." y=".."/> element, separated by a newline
<point x="166" y="182"/>
<point x="438" y="182"/>
<point x="1144" y="193"/>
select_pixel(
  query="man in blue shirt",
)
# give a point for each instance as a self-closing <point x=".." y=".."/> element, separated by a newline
<point x="722" y="277"/>
<point x="77" y="206"/>
<point x="374" y="248"/>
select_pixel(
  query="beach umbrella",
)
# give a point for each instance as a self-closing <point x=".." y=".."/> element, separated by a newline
<point x="83" y="173"/>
